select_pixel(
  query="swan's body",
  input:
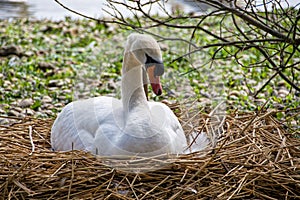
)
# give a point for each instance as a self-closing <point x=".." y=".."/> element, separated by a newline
<point x="130" y="126"/>
<point x="104" y="130"/>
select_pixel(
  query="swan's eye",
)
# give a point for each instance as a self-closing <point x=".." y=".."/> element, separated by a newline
<point x="159" y="66"/>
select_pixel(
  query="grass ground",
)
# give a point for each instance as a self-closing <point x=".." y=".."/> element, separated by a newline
<point x="54" y="63"/>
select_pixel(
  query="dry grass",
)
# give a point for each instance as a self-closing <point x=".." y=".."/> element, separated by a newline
<point x="256" y="158"/>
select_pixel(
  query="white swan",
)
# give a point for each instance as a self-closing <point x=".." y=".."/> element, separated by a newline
<point x="130" y="126"/>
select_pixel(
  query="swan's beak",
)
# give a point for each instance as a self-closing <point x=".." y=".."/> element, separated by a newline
<point x="154" y="81"/>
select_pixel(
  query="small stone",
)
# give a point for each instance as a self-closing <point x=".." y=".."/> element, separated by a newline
<point x="18" y="109"/>
<point x="67" y="91"/>
<point x="295" y="124"/>
<point x="40" y="114"/>
<point x="14" y="80"/>
<point x="172" y="93"/>
<point x="47" y="106"/>
<point x="234" y="93"/>
<point x="278" y="106"/>
<point x="41" y="52"/>
<point x="73" y="31"/>
<point x="260" y="101"/>
<point x="55" y="83"/>
<point x="68" y="81"/>
<point x="13" y="113"/>
<point x="49" y="73"/>
<point x="91" y="45"/>
<point x="283" y="93"/>
<point x="243" y="93"/>
<point x="28" y="112"/>
<point x="204" y="101"/>
<point x="29" y="53"/>
<point x="10" y="50"/>
<point x="5" y="106"/>
<point x="2" y="112"/>
<point x="46" y="29"/>
<point x="6" y="83"/>
<point x="61" y="97"/>
<point x="4" y="121"/>
<point x="13" y="104"/>
<point x="111" y="28"/>
<point x="58" y="105"/>
<point x="13" y="62"/>
<point x="233" y="97"/>
<point x="53" y="88"/>
<point x="205" y="94"/>
<point x="281" y="83"/>
<point x="106" y="75"/>
<point x="46" y="99"/>
<point x="49" y="113"/>
<point x="25" y="103"/>
<point x="111" y="85"/>
<point x="21" y="115"/>
<point x="44" y="66"/>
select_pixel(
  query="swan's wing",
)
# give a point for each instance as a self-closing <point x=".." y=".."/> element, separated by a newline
<point x="77" y="124"/>
<point x="64" y="134"/>
<point x="168" y="119"/>
<point x="164" y="117"/>
<point x="201" y="140"/>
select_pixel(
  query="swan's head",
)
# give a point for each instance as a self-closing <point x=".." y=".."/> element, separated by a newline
<point x="143" y="50"/>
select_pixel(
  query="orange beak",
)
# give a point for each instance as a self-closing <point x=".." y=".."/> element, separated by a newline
<point x="154" y="81"/>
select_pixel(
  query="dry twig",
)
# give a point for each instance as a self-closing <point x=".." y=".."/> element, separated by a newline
<point x="260" y="161"/>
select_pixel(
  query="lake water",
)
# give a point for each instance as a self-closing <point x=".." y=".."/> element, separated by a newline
<point x="40" y="9"/>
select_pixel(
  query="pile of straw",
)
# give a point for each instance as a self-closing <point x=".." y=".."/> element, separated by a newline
<point x="256" y="157"/>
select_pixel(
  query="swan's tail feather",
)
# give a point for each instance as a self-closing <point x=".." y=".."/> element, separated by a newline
<point x="198" y="142"/>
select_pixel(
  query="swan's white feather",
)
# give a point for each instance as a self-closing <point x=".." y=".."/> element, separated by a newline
<point x="98" y="125"/>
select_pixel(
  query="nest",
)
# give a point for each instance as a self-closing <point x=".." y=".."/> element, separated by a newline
<point x="255" y="157"/>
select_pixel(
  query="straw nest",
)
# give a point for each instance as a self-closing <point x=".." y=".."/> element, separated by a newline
<point x="255" y="157"/>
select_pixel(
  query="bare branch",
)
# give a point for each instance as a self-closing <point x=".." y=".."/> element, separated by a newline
<point x="268" y="30"/>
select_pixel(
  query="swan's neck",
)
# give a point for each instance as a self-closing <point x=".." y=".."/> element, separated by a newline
<point x="133" y="94"/>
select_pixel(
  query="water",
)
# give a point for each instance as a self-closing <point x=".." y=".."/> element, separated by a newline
<point x="41" y="9"/>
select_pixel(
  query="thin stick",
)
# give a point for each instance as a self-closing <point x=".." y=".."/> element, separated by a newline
<point x="155" y="187"/>
<point x="72" y="176"/>
<point x="131" y="185"/>
<point x="31" y="140"/>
